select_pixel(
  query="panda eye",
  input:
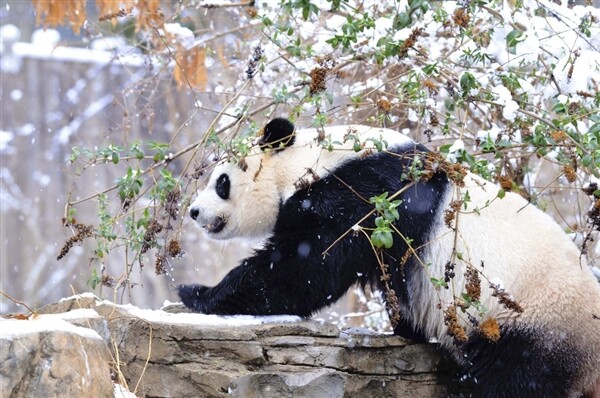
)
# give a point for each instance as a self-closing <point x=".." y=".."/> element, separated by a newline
<point x="223" y="186"/>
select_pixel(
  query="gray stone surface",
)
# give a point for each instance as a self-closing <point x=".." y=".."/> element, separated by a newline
<point x="53" y="359"/>
<point x="165" y="354"/>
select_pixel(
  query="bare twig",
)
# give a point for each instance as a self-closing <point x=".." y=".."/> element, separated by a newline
<point x="18" y="302"/>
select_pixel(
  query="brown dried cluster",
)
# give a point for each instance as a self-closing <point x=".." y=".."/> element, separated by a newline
<point x="461" y="18"/>
<point x="81" y="232"/>
<point x="410" y="42"/>
<point x="198" y="172"/>
<point x="454" y="328"/>
<point x="252" y="11"/>
<point x="159" y="264"/>
<point x="393" y="307"/>
<point x="172" y="204"/>
<point x="391" y="299"/>
<point x="559" y="136"/>
<point x="405" y="257"/>
<point x="122" y="12"/>
<point x="318" y="75"/>
<point x="431" y="86"/>
<point x="174" y="248"/>
<point x="108" y="281"/>
<point x="384" y="105"/>
<point x="473" y="285"/>
<point x="574" y="107"/>
<point x="318" y="78"/>
<point x="434" y="163"/>
<point x="433" y="121"/>
<point x="451" y="212"/>
<point x="585" y="94"/>
<point x="570" y="173"/>
<point x="455" y="172"/>
<point x="490" y="329"/>
<point x="593" y="214"/>
<point x="505" y="299"/>
<point x="505" y="182"/>
<point x="153" y="229"/>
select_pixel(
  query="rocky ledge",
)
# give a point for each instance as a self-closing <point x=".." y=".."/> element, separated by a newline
<point x="82" y="345"/>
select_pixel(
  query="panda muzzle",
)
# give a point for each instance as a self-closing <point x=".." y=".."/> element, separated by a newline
<point x="216" y="226"/>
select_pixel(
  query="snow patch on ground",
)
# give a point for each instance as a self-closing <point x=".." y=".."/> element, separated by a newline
<point x="11" y="328"/>
<point x="160" y="316"/>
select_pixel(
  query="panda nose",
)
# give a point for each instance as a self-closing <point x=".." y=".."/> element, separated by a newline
<point x="194" y="213"/>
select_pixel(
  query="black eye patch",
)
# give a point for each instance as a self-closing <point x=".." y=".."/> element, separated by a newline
<point x="223" y="186"/>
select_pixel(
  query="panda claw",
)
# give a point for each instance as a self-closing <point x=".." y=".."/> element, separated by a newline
<point x="191" y="295"/>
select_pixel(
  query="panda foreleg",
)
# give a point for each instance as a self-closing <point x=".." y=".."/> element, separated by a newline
<point x="407" y="330"/>
<point x="191" y="296"/>
<point x="277" y="280"/>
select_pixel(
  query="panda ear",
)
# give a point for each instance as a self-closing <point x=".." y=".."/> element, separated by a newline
<point x="278" y="134"/>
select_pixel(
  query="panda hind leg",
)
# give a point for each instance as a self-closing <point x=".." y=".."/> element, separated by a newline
<point x="522" y="364"/>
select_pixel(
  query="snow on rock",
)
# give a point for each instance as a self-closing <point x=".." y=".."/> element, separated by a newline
<point x="160" y="316"/>
<point x="185" y="354"/>
<point x="49" y="357"/>
<point x="13" y="328"/>
<point x="122" y="392"/>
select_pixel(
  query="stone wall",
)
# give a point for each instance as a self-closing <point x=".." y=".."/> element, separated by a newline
<point x="161" y="354"/>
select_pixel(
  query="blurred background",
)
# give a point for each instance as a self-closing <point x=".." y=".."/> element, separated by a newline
<point x="60" y="90"/>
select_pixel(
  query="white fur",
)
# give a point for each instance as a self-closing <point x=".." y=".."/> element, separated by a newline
<point x="536" y="262"/>
<point x="518" y="245"/>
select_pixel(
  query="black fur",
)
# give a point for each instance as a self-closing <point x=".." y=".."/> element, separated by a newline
<point x="278" y="134"/>
<point x="523" y="363"/>
<point x="223" y="186"/>
<point x="292" y="276"/>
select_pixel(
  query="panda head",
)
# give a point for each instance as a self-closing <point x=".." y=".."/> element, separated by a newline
<point x="244" y="201"/>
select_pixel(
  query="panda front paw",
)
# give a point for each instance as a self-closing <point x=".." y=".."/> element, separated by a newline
<point x="192" y="296"/>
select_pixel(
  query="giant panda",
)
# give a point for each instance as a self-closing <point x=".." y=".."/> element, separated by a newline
<point x="307" y="194"/>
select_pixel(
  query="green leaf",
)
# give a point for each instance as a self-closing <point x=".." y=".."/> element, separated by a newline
<point x="403" y="20"/>
<point x="430" y="69"/>
<point x="467" y="82"/>
<point x="512" y="39"/>
<point x="382" y="237"/>
<point x="438" y="282"/>
<point x="501" y="193"/>
<point x="94" y="280"/>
